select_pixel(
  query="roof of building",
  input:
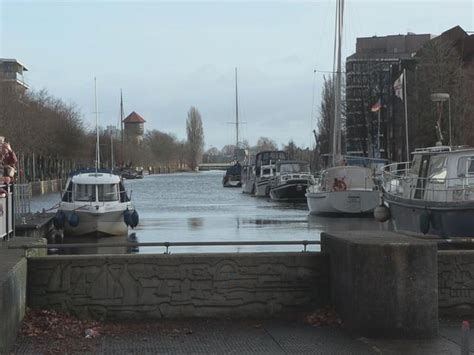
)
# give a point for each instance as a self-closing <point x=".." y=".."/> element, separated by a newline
<point x="12" y="60"/>
<point x="134" y="118"/>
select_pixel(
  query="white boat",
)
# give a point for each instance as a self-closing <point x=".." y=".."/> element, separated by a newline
<point x="95" y="202"/>
<point x="434" y="194"/>
<point x="343" y="190"/>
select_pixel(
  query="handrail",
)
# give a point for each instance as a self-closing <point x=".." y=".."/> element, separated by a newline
<point x="167" y="245"/>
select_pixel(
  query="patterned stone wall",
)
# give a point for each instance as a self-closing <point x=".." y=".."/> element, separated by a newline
<point x="456" y="282"/>
<point x="179" y="285"/>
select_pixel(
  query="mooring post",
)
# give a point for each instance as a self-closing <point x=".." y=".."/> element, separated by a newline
<point x="465" y="328"/>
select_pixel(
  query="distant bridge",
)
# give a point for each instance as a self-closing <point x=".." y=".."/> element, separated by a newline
<point x="214" y="166"/>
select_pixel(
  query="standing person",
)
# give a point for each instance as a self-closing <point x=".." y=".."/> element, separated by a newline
<point x="9" y="161"/>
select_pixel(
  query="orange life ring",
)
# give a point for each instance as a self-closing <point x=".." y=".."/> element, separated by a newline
<point x="339" y="185"/>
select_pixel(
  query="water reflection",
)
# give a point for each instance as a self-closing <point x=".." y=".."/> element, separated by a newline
<point x="195" y="207"/>
<point x="195" y="222"/>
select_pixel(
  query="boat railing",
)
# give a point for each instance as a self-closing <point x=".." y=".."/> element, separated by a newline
<point x="436" y="188"/>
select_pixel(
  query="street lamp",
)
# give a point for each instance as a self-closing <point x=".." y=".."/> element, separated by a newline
<point x="440" y="98"/>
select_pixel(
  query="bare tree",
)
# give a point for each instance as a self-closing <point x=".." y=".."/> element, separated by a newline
<point x="438" y="69"/>
<point x="326" y="117"/>
<point x="195" y="142"/>
<point x="265" y="143"/>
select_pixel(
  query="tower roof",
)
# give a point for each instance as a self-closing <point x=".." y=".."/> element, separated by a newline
<point x="134" y="118"/>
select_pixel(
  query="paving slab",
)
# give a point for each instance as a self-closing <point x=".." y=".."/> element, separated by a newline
<point x="240" y="337"/>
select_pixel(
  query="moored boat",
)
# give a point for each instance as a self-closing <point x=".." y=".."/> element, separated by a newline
<point x="343" y="190"/>
<point x="434" y="194"/>
<point x="265" y="170"/>
<point x="291" y="181"/>
<point x="95" y="202"/>
<point x="232" y="177"/>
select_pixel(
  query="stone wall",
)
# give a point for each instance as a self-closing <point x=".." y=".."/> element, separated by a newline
<point x="179" y="285"/>
<point x="456" y="282"/>
<point x="13" y="274"/>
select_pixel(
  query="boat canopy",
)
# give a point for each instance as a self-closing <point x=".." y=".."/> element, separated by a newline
<point x="95" y="179"/>
<point x="291" y="166"/>
<point x="354" y="177"/>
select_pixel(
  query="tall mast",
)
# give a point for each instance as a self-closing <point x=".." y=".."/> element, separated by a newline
<point x="336" y="146"/>
<point x="97" y="152"/>
<point x="121" y="120"/>
<point x="236" y="113"/>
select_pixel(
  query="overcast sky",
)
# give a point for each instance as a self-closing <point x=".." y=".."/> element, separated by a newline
<point x="168" y="56"/>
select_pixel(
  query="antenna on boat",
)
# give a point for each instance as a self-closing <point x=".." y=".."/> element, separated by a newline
<point x="97" y="153"/>
<point x="236" y="112"/>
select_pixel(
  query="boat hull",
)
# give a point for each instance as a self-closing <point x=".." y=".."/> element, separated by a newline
<point x="104" y="224"/>
<point x="292" y="191"/>
<point x="262" y="188"/>
<point x="356" y="202"/>
<point x="444" y="220"/>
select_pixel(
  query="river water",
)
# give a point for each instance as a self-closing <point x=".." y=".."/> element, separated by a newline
<point x="195" y="207"/>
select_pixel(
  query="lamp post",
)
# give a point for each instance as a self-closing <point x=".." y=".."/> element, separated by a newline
<point x="440" y="98"/>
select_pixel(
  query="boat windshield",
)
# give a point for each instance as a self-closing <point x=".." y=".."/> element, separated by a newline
<point x="84" y="192"/>
<point x="108" y="192"/>
<point x="466" y="166"/>
<point x="294" y="168"/>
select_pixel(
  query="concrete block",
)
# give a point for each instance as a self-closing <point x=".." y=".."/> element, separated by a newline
<point x="383" y="284"/>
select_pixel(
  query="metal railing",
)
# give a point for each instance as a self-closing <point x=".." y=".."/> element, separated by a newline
<point x="22" y="194"/>
<point x="167" y="245"/>
<point x="436" y="188"/>
<point x="7" y="211"/>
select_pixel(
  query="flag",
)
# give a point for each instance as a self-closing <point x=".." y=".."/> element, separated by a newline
<point x="398" y="87"/>
<point x="376" y="107"/>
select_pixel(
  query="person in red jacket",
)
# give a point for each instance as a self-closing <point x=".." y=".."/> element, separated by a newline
<point x="9" y="161"/>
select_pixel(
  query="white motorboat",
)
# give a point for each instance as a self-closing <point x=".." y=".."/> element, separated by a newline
<point x="343" y="190"/>
<point x="95" y="202"/>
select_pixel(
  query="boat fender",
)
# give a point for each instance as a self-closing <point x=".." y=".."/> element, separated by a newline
<point x="381" y="213"/>
<point x="59" y="220"/>
<point x="425" y="221"/>
<point x="73" y="220"/>
<point x="135" y="219"/>
<point x="127" y="217"/>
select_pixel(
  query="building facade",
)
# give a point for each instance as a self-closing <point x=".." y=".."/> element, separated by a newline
<point x="370" y="73"/>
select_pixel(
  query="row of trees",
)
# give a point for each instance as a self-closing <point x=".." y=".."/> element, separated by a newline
<point x="46" y="132"/>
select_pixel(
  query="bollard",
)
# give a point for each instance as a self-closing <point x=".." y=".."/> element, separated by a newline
<point x="465" y="338"/>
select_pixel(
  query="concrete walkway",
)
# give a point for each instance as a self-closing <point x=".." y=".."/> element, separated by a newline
<point x="238" y="337"/>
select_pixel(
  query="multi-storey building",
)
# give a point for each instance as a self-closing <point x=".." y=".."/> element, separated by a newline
<point x="11" y="76"/>
<point x="369" y="78"/>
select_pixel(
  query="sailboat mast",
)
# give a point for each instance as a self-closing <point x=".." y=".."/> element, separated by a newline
<point x="337" y="151"/>
<point x="121" y="125"/>
<point x="236" y="112"/>
<point x="97" y="152"/>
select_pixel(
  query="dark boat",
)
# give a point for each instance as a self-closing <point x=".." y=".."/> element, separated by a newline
<point x="290" y="181"/>
<point x="233" y="177"/>
<point x="432" y="195"/>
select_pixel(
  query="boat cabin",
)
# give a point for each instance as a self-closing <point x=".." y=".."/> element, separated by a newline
<point x="265" y="162"/>
<point x="440" y="174"/>
<point x="95" y="187"/>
